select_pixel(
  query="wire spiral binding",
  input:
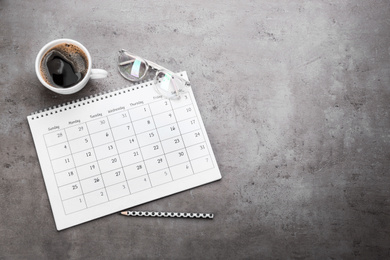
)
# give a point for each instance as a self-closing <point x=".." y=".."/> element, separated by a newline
<point x="92" y="98"/>
<point x="169" y="214"/>
<point x="89" y="99"/>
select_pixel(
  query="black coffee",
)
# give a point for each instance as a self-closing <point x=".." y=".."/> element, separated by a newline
<point x="64" y="65"/>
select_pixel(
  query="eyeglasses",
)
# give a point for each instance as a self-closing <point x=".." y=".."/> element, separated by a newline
<point x="166" y="83"/>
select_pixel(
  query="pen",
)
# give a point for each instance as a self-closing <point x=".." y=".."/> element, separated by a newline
<point x="167" y="214"/>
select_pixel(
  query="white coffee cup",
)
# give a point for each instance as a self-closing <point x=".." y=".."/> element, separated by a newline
<point x="90" y="73"/>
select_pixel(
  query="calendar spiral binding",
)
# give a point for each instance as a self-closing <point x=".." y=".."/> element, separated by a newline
<point x="169" y="214"/>
<point x="88" y="99"/>
<point x="92" y="98"/>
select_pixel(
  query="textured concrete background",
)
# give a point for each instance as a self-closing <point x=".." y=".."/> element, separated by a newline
<point x="294" y="95"/>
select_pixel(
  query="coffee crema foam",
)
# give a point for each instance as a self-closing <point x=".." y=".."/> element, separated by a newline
<point x="70" y="54"/>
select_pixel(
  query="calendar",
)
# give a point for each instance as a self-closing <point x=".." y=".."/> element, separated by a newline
<point x="116" y="150"/>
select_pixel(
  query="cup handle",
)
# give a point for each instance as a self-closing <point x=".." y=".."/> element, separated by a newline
<point x="98" y="74"/>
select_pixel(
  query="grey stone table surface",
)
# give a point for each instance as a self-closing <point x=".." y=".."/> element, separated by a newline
<point x="294" y="95"/>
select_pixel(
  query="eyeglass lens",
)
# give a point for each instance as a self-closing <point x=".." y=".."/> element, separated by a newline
<point x="131" y="67"/>
<point x="167" y="85"/>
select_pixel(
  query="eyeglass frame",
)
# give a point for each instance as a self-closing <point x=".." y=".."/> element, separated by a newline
<point x="157" y="68"/>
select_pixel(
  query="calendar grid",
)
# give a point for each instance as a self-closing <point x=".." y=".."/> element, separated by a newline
<point x="108" y="131"/>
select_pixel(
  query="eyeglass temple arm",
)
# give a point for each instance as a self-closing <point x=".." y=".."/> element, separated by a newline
<point x="158" y="67"/>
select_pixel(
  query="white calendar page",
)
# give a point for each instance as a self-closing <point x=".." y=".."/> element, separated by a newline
<point x="117" y="150"/>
